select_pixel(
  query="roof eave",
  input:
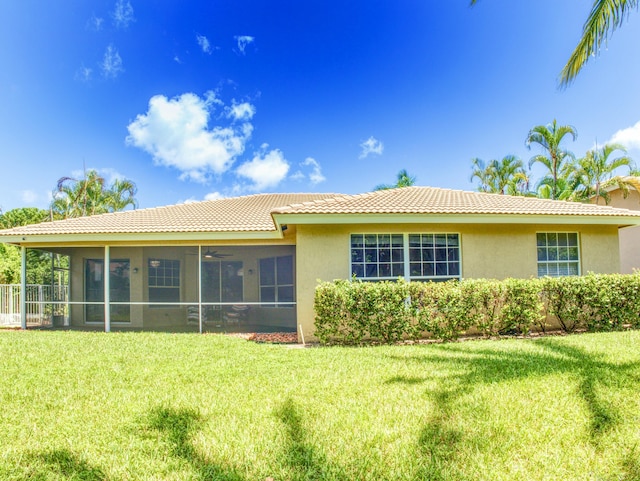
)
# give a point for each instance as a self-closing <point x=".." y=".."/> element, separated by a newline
<point x="407" y="218"/>
<point x="138" y="238"/>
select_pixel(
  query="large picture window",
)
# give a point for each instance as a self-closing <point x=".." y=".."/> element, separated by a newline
<point x="276" y="280"/>
<point x="164" y="280"/>
<point x="431" y="257"/>
<point x="558" y="254"/>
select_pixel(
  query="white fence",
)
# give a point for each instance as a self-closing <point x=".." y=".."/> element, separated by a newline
<point x="46" y="305"/>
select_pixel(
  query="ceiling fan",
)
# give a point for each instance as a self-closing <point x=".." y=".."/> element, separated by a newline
<point x="214" y="254"/>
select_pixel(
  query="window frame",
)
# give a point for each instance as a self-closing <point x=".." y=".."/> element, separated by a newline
<point x="156" y="303"/>
<point x="276" y="284"/>
<point x="557" y="262"/>
<point x="406" y="257"/>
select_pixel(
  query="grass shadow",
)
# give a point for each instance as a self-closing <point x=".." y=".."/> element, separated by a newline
<point x="179" y="426"/>
<point x="304" y="459"/>
<point x="467" y="369"/>
<point x="65" y="465"/>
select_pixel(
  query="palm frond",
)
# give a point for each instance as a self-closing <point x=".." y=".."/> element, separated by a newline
<point x="605" y="17"/>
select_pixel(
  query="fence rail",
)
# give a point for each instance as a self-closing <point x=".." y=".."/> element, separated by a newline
<point x="45" y="304"/>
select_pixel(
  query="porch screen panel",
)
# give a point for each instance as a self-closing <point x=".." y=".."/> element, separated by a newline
<point x="120" y="289"/>
<point x="164" y="280"/>
<point x="276" y="280"/>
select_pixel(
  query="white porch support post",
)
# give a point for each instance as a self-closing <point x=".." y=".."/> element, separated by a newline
<point x="107" y="288"/>
<point x="200" y="288"/>
<point x="23" y="287"/>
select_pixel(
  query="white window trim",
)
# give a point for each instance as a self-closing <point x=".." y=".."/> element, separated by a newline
<point x="407" y="263"/>
<point x="276" y="302"/>
<point x="161" y="304"/>
<point x="559" y="261"/>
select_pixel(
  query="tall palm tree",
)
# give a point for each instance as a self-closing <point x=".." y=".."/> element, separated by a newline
<point x="595" y="172"/>
<point x="89" y="196"/>
<point x="506" y="176"/>
<point x="549" y="137"/>
<point x="403" y="179"/>
<point x="605" y="17"/>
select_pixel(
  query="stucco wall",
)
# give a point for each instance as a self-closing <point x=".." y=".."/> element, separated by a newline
<point x="629" y="236"/>
<point x="487" y="251"/>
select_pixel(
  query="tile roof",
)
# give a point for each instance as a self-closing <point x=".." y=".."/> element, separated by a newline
<point x="253" y="213"/>
<point x="433" y="200"/>
<point x="250" y="213"/>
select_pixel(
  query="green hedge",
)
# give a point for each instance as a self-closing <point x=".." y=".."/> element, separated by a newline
<point x="354" y="312"/>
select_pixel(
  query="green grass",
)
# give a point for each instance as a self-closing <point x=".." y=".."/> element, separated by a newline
<point x="145" y="406"/>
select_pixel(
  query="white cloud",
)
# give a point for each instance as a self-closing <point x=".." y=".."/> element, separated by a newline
<point x="95" y="23"/>
<point x="176" y="59"/>
<point x="629" y="137"/>
<point x="265" y="170"/>
<point x="29" y="196"/>
<point x="371" y="146"/>
<point x="204" y="43"/>
<point x="84" y="74"/>
<point x="243" y="111"/>
<point x="111" y="63"/>
<point x="214" y="196"/>
<point x="123" y="14"/>
<point x="176" y="133"/>
<point x="316" y="173"/>
<point x="243" y="41"/>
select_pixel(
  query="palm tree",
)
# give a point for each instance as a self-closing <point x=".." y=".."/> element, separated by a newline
<point x="549" y="137"/>
<point x="89" y="196"/>
<point x="121" y="195"/>
<point x="403" y="179"/>
<point x="605" y="17"/>
<point x="595" y="173"/>
<point x="506" y="176"/>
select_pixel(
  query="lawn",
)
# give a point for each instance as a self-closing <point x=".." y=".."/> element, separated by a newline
<point x="149" y="406"/>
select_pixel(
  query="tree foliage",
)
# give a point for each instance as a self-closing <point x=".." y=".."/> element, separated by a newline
<point x="595" y="173"/>
<point x="605" y="17"/>
<point x="506" y="176"/>
<point x="39" y="262"/>
<point x="403" y="179"/>
<point x="90" y="195"/>
<point x="554" y="157"/>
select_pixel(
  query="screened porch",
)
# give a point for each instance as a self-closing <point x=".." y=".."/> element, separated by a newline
<point x="205" y="288"/>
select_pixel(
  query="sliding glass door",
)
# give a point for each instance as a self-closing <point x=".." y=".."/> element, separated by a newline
<point x="119" y="290"/>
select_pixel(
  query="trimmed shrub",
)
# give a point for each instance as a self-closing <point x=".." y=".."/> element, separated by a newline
<point x="353" y="312"/>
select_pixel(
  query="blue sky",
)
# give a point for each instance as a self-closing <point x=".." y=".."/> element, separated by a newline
<point x="200" y="99"/>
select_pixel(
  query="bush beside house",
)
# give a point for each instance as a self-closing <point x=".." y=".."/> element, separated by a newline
<point x="357" y="312"/>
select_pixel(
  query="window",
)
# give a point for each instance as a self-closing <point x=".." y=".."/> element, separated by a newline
<point x="164" y="280"/>
<point x="276" y="280"/>
<point x="558" y="254"/>
<point x="388" y="256"/>
<point x="377" y="256"/>
<point x="434" y="256"/>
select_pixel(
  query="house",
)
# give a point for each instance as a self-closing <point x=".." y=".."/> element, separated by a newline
<point x="253" y="262"/>
<point x="629" y="239"/>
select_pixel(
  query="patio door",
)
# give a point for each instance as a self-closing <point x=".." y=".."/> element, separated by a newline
<point x="119" y="289"/>
<point x="222" y="282"/>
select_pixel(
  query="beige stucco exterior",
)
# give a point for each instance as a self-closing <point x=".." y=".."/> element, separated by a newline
<point x="629" y="237"/>
<point x="487" y="251"/>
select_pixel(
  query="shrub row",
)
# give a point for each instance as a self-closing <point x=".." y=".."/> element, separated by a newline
<point x="354" y="312"/>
